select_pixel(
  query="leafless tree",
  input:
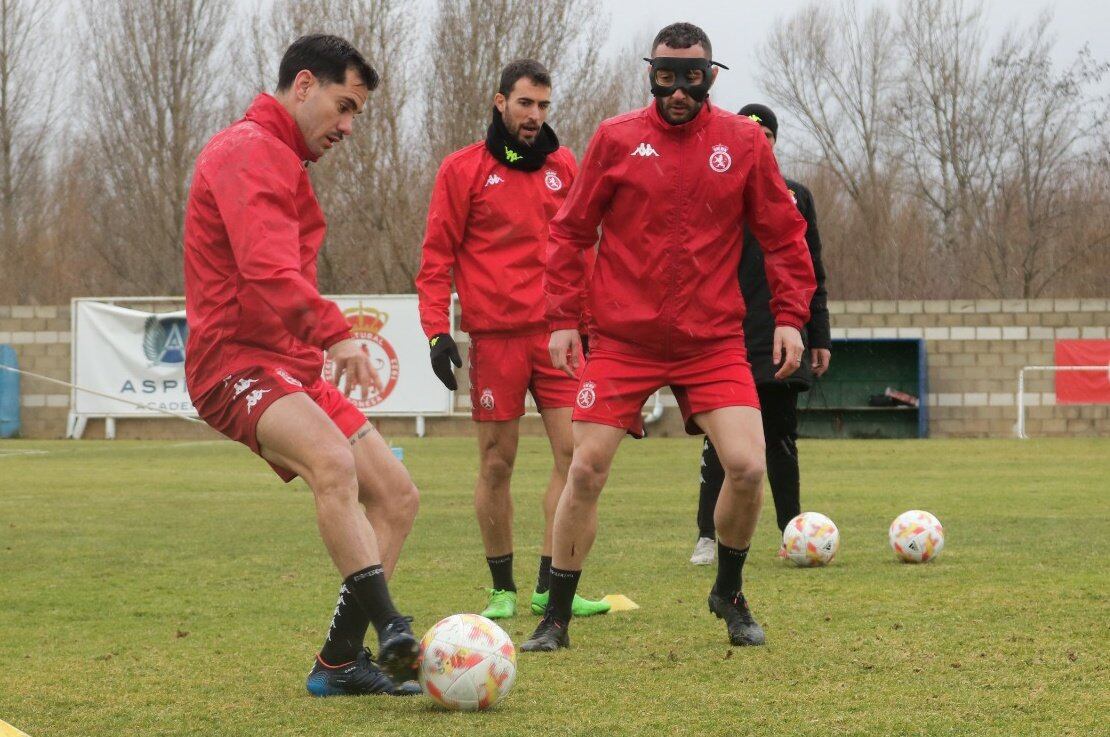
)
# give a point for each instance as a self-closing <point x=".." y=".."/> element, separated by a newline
<point x="473" y="39"/>
<point x="26" y="102"/>
<point x="155" y="79"/>
<point x="374" y="208"/>
<point x="1038" y="163"/>
<point x="834" y="70"/>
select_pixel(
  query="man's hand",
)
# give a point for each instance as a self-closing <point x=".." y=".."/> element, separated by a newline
<point x="821" y="358"/>
<point x="788" y="350"/>
<point x="444" y="352"/>
<point x="352" y="360"/>
<point x="565" y="347"/>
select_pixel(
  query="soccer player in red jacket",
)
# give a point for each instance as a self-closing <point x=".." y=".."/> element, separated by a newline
<point x="487" y="230"/>
<point x="671" y="187"/>
<point x="258" y="329"/>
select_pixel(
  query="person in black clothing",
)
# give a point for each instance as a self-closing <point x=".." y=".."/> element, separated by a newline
<point x="778" y="398"/>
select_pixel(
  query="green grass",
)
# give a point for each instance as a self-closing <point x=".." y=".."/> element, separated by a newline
<point x="161" y="588"/>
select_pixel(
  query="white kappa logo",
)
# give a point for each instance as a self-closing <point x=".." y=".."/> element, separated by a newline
<point x="253" y="397"/>
<point x="645" y="150"/>
<point x="493" y="179"/>
<point x="551" y="179"/>
<point x="288" y="379"/>
<point x="486" y="400"/>
<point x="587" y="395"/>
<point x="242" y="385"/>
<point x="720" y="161"/>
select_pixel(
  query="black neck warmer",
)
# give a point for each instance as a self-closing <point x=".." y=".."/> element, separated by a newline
<point x="514" y="154"/>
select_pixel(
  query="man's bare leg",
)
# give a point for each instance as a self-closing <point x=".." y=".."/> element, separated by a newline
<point x="493" y="506"/>
<point x="385" y="491"/>
<point x="493" y="501"/>
<point x="737" y="434"/>
<point x="576" y="517"/>
<point x="560" y="435"/>
<point x="575" y="528"/>
<point x="295" y="433"/>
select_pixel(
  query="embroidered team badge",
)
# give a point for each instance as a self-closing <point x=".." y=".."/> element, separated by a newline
<point x="551" y="179"/>
<point x="720" y="161"/>
<point x="486" y="400"/>
<point x="587" y="395"/>
<point x="288" y="378"/>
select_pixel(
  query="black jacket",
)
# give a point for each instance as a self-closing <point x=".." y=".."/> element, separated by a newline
<point x="759" y="323"/>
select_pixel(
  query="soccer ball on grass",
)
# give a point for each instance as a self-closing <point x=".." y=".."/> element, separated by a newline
<point x="810" y="539"/>
<point x="467" y="662"/>
<point x="916" y="536"/>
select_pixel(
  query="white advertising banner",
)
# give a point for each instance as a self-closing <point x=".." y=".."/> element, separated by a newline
<point x="140" y="357"/>
<point x="134" y="355"/>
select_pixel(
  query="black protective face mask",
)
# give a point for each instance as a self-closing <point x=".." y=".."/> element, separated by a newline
<point x="692" y="76"/>
<point x="512" y="153"/>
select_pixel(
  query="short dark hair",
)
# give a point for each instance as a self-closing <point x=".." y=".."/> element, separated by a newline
<point x="682" y="36"/>
<point x="328" y="58"/>
<point x="529" y="68"/>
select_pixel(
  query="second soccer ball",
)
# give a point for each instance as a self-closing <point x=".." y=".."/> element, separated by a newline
<point x="810" y="539"/>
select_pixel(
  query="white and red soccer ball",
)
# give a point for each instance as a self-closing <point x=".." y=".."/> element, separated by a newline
<point x="916" y="536"/>
<point x="467" y="662"/>
<point x="810" y="539"/>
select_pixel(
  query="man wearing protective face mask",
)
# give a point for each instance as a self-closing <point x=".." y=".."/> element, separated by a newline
<point x="487" y="230"/>
<point x="671" y="186"/>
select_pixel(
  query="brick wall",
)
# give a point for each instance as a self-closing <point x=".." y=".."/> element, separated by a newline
<point x="974" y="350"/>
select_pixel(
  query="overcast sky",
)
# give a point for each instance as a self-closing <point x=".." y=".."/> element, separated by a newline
<point x="737" y="27"/>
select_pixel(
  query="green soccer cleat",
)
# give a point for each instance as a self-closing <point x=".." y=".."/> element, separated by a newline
<point x="579" y="607"/>
<point x="501" y="605"/>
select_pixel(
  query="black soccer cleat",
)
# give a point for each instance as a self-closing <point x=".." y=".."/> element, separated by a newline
<point x="399" y="650"/>
<point x="550" y="635"/>
<point x="361" y="677"/>
<point x="742" y="628"/>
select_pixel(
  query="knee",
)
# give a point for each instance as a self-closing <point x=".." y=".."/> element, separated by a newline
<point x="586" y="475"/>
<point x="331" y="474"/>
<point x="745" y="471"/>
<point x="406" y="503"/>
<point x="497" y="466"/>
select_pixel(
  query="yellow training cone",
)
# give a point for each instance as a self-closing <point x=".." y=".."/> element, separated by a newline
<point x="7" y="730"/>
<point x="620" y="603"/>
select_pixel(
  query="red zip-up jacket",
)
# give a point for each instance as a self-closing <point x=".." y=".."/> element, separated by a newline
<point x="252" y="231"/>
<point x="671" y="202"/>
<point x="487" y="228"/>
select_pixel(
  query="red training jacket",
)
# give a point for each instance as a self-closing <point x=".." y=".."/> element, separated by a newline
<point x="252" y="231"/>
<point x="671" y="202"/>
<point x="487" y="227"/>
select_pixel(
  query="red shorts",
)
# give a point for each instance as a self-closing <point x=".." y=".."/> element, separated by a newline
<point x="503" y="369"/>
<point x="234" y="405"/>
<point x="616" y="385"/>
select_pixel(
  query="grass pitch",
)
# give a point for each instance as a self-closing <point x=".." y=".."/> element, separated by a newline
<point x="181" y="589"/>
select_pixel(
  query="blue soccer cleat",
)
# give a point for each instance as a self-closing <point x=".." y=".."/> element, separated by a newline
<point x="361" y="677"/>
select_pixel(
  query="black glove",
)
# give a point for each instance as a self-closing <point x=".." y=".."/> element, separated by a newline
<point x="445" y="353"/>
